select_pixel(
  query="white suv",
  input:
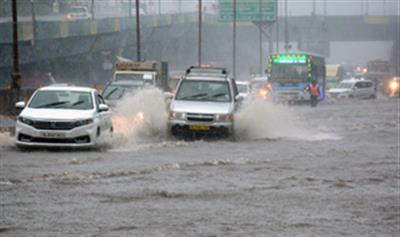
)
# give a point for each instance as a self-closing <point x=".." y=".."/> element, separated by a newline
<point x="353" y="88"/>
<point x="204" y="104"/>
<point x="60" y="116"/>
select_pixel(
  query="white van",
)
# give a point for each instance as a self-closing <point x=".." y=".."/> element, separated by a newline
<point x="353" y="88"/>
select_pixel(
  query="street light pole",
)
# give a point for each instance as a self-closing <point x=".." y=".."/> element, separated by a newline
<point x="130" y="8"/>
<point x="137" y="31"/>
<point x="234" y="40"/>
<point x="260" y="39"/>
<point x="92" y="9"/>
<point x="16" y="77"/>
<point x="286" y="27"/>
<point x="33" y="21"/>
<point x="200" y="29"/>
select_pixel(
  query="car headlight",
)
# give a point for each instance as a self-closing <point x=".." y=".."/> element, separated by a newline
<point x="224" y="117"/>
<point x="83" y="122"/>
<point x="27" y="121"/>
<point x="177" y="115"/>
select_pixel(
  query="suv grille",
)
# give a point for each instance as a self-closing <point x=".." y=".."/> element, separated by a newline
<point x="200" y="117"/>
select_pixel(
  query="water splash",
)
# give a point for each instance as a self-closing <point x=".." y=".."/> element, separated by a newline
<point x="259" y="119"/>
<point x="6" y="140"/>
<point x="140" y="117"/>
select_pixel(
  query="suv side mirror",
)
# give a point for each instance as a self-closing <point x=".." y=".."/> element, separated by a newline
<point x="20" y="105"/>
<point x="103" y="108"/>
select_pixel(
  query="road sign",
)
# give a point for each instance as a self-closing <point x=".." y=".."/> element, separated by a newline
<point x="248" y="10"/>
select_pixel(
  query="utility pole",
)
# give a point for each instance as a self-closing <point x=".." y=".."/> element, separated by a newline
<point x="277" y="28"/>
<point x="286" y="27"/>
<point x="159" y="7"/>
<point x="138" y="56"/>
<point x="130" y="8"/>
<point x="234" y="40"/>
<point x="33" y="14"/>
<point x="92" y="9"/>
<point x="260" y="39"/>
<point x="314" y="8"/>
<point x="200" y="29"/>
<point x="16" y="76"/>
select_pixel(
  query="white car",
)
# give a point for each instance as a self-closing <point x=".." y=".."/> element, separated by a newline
<point x="78" y="13"/>
<point x="62" y="116"/>
<point x="353" y="88"/>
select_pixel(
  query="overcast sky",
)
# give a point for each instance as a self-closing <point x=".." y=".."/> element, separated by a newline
<point x="302" y="7"/>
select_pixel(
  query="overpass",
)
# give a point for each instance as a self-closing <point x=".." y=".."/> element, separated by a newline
<point x="170" y="37"/>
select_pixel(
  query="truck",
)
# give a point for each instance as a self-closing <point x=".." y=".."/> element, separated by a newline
<point x="378" y="71"/>
<point x="149" y="72"/>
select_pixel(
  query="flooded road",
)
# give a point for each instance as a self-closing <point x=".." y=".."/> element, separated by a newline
<point x="331" y="171"/>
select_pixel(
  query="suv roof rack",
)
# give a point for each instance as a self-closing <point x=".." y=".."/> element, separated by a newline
<point x="199" y="70"/>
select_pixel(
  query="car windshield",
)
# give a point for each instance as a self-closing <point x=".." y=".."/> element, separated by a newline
<point x="201" y="90"/>
<point x="115" y="92"/>
<point x="62" y="100"/>
<point x="345" y="85"/>
<point x="243" y="88"/>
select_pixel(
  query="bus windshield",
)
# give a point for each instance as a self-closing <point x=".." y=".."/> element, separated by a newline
<point x="292" y="72"/>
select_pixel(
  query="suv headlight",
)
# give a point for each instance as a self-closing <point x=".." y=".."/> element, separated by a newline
<point x="27" y="121"/>
<point x="83" y="122"/>
<point x="177" y="115"/>
<point x="224" y="117"/>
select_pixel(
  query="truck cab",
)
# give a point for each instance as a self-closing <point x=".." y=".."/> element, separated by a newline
<point x="149" y="72"/>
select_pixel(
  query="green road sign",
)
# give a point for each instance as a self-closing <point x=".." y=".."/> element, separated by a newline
<point x="248" y="10"/>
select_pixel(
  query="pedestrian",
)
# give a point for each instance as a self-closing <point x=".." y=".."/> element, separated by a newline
<point x="313" y="89"/>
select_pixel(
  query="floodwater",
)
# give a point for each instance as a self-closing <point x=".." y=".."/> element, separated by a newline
<point x="290" y="171"/>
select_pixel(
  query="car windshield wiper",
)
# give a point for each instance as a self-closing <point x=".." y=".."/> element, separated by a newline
<point x="111" y="92"/>
<point x="50" y="105"/>
<point x="78" y="103"/>
<point x="218" y="95"/>
<point x="194" y="96"/>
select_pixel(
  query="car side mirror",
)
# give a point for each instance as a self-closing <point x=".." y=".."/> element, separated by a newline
<point x="103" y="108"/>
<point x="239" y="98"/>
<point x="20" y="105"/>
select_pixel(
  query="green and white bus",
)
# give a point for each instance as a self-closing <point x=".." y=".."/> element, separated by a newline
<point x="290" y="73"/>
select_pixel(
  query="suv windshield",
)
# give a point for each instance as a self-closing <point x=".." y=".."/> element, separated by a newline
<point x="62" y="100"/>
<point x="201" y="90"/>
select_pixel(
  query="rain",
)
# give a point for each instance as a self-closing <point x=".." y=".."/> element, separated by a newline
<point x="199" y="118"/>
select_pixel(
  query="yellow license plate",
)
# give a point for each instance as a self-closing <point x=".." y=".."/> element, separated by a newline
<point x="199" y="127"/>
